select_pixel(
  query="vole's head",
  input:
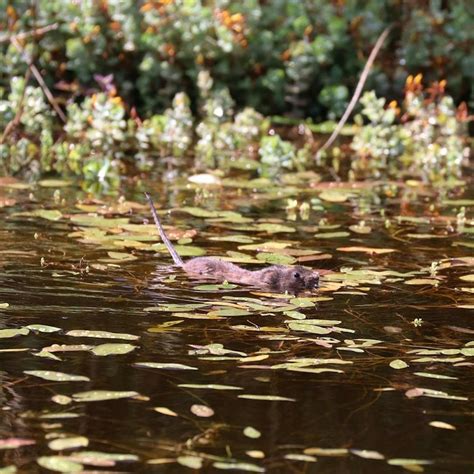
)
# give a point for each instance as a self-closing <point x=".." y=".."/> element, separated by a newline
<point x="294" y="280"/>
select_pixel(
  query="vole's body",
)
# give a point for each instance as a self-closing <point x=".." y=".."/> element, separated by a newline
<point x="278" y="278"/>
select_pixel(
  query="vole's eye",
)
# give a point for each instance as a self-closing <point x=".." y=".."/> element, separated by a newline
<point x="296" y="275"/>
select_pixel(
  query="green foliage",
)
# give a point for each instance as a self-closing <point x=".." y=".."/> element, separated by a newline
<point x="426" y="139"/>
<point x="159" y="78"/>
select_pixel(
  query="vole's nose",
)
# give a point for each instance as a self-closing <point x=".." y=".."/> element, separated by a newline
<point x="313" y="281"/>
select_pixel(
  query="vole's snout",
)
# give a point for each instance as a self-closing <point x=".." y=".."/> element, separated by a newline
<point x="313" y="281"/>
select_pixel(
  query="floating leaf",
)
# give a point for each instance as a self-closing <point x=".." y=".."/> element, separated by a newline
<point x="331" y="235"/>
<point x="97" y="458"/>
<point x="266" y="398"/>
<point x="442" y="425"/>
<point x="367" y="454"/>
<point x="334" y="195"/>
<point x="8" y="333"/>
<point x="251" y="432"/>
<point x="469" y="277"/>
<point x="435" y="376"/>
<point x="164" y="365"/>
<point x="209" y="386"/>
<point x="42" y="328"/>
<point x="300" y="457"/>
<point x="330" y="452"/>
<point x="237" y="466"/>
<point x="102" y="395"/>
<point x="112" y="349"/>
<point x="101" y="334"/>
<point x="57" y="376"/>
<point x="311" y="328"/>
<point x="202" y="411"/>
<point x="165" y="411"/>
<point x="61" y="444"/>
<point x="229" y="312"/>
<point x="59" y="464"/>
<point x="121" y="256"/>
<point x="422" y="281"/>
<point x="193" y="462"/>
<point x="369" y="250"/>
<point x="398" y="364"/>
<point x="276" y="259"/>
<point x="14" y="443"/>
<point x="61" y="399"/>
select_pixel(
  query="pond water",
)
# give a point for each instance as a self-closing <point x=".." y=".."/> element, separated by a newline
<point x="107" y="349"/>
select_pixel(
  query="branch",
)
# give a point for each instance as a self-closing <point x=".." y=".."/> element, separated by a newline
<point x="40" y="79"/>
<point x="358" y="90"/>
<point x="28" y="34"/>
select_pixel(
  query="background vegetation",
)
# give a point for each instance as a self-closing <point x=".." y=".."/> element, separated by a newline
<point x="153" y="78"/>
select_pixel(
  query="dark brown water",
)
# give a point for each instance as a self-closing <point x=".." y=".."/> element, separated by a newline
<point x="366" y="409"/>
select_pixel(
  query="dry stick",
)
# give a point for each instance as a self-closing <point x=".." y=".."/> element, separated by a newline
<point x="358" y="90"/>
<point x="40" y="80"/>
<point x="27" y="34"/>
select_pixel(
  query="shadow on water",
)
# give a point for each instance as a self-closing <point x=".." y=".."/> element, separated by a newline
<point x="379" y="378"/>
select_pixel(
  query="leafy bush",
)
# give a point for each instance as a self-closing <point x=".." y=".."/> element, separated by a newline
<point x="425" y="138"/>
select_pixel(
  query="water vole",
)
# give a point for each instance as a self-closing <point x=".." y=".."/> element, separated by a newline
<point x="279" y="278"/>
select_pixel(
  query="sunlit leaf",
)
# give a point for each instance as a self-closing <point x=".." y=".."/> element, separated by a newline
<point x="202" y="411"/>
<point x="42" y="328"/>
<point x="101" y="334"/>
<point x="61" y="444"/>
<point x="398" y="364"/>
<point x="237" y="466"/>
<point x="57" y="376"/>
<point x="61" y="399"/>
<point x="164" y="365"/>
<point x="442" y="425"/>
<point x="367" y="454"/>
<point x="59" y="464"/>
<point x="209" y="386"/>
<point x="112" y="349"/>
<point x="14" y="443"/>
<point x="369" y="250"/>
<point x="97" y="458"/>
<point x="165" y="411"/>
<point x="330" y="452"/>
<point x="8" y="333"/>
<point x="300" y="457"/>
<point x="193" y="462"/>
<point x="266" y="398"/>
<point x="102" y="395"/>
<point x="251" y="432"/>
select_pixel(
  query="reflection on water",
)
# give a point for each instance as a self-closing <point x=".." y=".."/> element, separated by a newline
<point x="306" y="389"/>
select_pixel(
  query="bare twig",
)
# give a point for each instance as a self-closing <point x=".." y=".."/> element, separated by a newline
<point x="28" y="34"/>
<point x="358" y="90"/>
<point x="40" y="79"/>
